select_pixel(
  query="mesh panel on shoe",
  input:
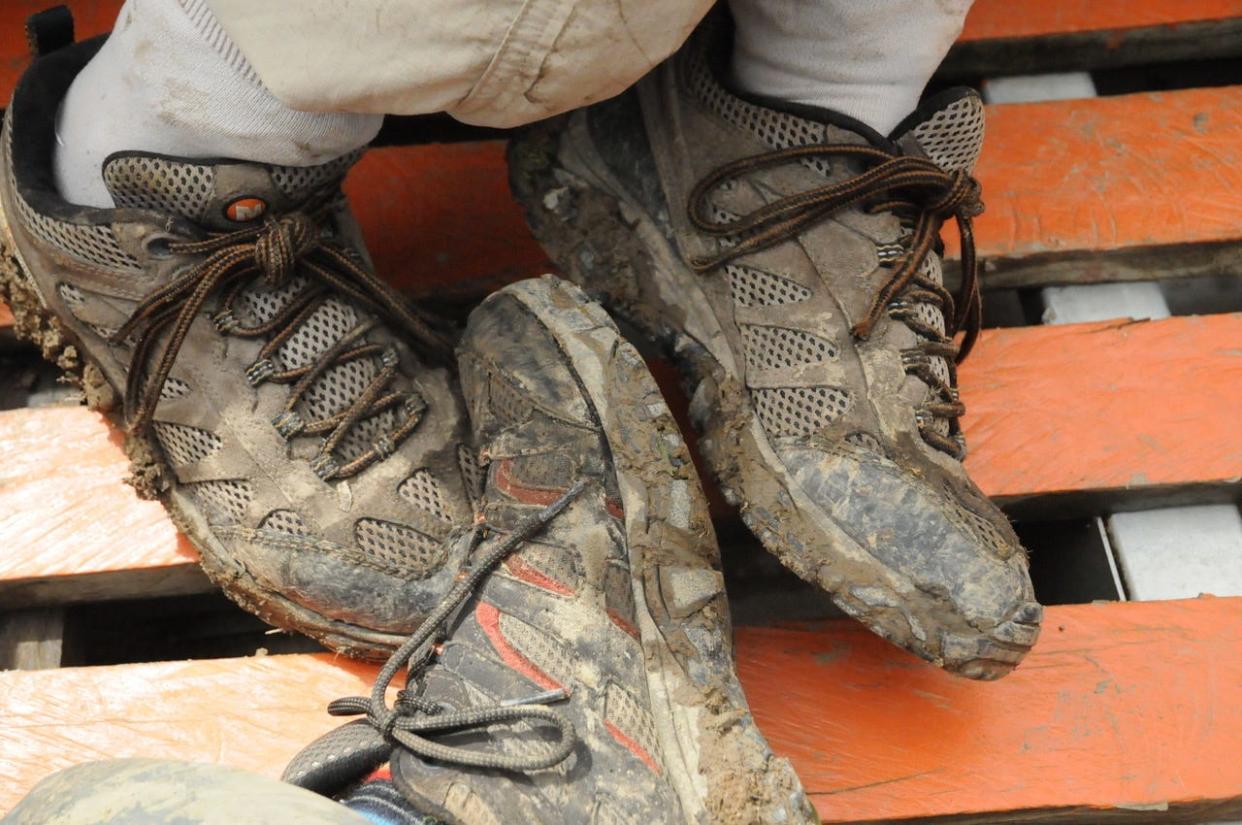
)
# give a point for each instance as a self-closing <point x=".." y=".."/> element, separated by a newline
<point x="473" y="474"/>
<point x="398" y="547"/>
<point x="285" y="521"/>
<point x="551" y="562"/>
<point x="777" y="129"/>
<point x="541" y="649"/>
<point x="752" y="287"/>
<point x="628" y="716"/>
<point x="423" y="491"/>
<point x="506" y="403"/>
<point x="174" y="388"/>
<point x="88" y="242"/>
<point x="299" y="181"/>
<point x="185" y="445"/>
<point x="777" y="347"/>
<point x="322" y="329"/>
<point x="260" y="303"/>
<point x="161" y="184"/>
<point x="339" y="387"/>
<point x="953" y="136"/>
<point x="799" y="411"/>
<point x="224" y="502"/>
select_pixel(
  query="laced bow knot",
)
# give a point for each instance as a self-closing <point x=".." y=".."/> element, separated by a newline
<point x="275" y="251"/>
<point x="283" y="242"/>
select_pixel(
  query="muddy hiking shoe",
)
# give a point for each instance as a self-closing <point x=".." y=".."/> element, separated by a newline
<point x="581" y="671"/>
<point x="790" y="259"/>
<point x="276" y="395"/>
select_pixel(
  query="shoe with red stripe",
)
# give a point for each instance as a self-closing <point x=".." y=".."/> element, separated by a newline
<point x="584" y="671"/>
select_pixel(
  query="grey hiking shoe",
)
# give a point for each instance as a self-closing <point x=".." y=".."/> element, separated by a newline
<point x="276" y="394"/>
<point x="790" y="260"/>
<point x="581" y="671"/>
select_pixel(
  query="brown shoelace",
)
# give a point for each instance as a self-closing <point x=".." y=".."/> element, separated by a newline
<point x="276" y="250"/>
<point x="920" y="193"/>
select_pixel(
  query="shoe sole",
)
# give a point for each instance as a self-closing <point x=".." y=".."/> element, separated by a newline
<point x="608" y="244"/>
<point x="714" y="750"/>
<point x="151" y="476"/>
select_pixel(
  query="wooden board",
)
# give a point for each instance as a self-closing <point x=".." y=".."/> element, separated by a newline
<point x="1058" y="417"/>
<point x="1003" y="37"/>
<point x="1122" y="710"/>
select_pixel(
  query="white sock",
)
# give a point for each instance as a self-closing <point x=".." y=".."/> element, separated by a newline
<point x="169" y="80"/>
<point x="869" y="59"/>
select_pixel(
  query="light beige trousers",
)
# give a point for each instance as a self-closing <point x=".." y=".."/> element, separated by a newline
<point x="488" y="62"/>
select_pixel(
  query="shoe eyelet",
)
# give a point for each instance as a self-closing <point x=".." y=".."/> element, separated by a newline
<point x="158" y="247"/>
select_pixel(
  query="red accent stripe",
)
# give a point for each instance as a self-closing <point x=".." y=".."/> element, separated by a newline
<point x="621" y="622"/>
<point x="381" y="774"/>
<point x="488" y="618"/>
<point x="634" y="748"/>
<point x="527" y="495"/>
<point x="523" y="571"/>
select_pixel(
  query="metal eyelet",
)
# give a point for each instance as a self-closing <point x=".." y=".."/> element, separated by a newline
<point x="288" y="424"/>
<point x="325" y="466"/>
<point x="260" y="371"/>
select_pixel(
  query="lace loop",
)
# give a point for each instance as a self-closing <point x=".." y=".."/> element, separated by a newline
<point x="412" y="715"/>
<point x="910" y="186"/>
<point x="275" y="251"/>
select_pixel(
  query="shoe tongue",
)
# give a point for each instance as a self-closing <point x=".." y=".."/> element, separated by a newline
<point x="947" y="128"/>
<point x="220" y="195"/>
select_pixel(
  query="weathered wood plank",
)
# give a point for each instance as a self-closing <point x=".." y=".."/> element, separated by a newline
<point x="1120" y="711"/>
<point x="31" y="639"/>
<point x="1120" y="411"/>
<point x="1003" y="37"/>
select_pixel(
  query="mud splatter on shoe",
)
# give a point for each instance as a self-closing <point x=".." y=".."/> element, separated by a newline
<point x="276" y="395"/>
<point x="581" y="671"/>
<point x="790" y="259"/>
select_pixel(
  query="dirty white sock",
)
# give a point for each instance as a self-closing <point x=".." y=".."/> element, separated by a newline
<point x="868" y="59"/>
<point x="169" y="80"/>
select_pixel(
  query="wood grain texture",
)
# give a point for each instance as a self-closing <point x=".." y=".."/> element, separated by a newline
<point x="1117" y="408"/>
<point x="1121" y="709"/>
<point x="996" y="19"/>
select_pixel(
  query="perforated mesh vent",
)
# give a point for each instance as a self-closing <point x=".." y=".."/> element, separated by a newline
<point x="160" y="184"/>
<point x="224" y="502"/>
<point x="321" y="330"/>
<point x="777" y="347"/>
<point x="629" y="716"/>
<point x="506" y="403"/>
<point x="338" y="387"/>
<point x="777" y="129"/>
<point x="285" y="521"/>
<point x="865" y="440"/>
<point x="299" y="181"/>
<point x="185" y="445"/>
<point x="398" y="548"/>
<point x="174" y="388"/>
<point x="423" y="491"/>
<point x="754" y="287"/>
<point x="552" y="562"/>
<point x="953" y="137"/>
<point x="71" y="295"/>
<point x="985" y="528"/>
<point x="799" y="410"/>
<point x="473" y="474"/>
<point x="544" y="651"/>
<point x="91" y="243"/>
<point x="259" y="303"/>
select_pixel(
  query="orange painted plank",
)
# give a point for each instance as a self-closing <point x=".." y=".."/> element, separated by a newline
<point x="1120" y="707"/>
<point x="65" y="513"/>
<point x="996" y="19"/>
<point x="90" y="17"/>
<point x="1109" y="173"/>
<point x="1116" y="406"/>
<point x="440" y="221"/>
<point x="1110" y="405"/>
